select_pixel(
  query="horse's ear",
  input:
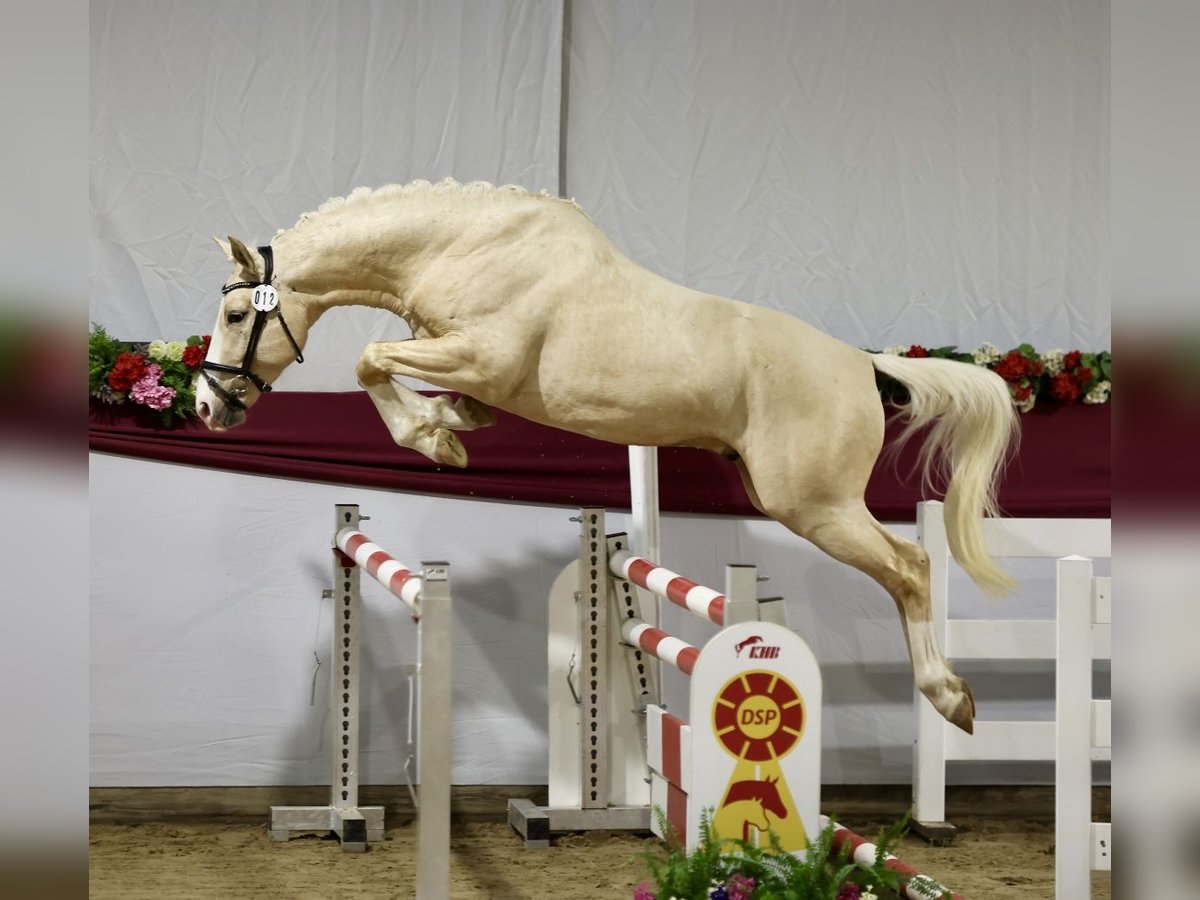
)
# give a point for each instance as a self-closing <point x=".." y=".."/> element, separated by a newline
<point x="225" y="248"/>
<point x="241" y="255"/>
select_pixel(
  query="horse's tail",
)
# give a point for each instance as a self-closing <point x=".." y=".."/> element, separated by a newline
<point x="972" y="426"/>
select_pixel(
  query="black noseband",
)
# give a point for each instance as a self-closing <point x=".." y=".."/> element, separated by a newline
<point x="265" y="302"/>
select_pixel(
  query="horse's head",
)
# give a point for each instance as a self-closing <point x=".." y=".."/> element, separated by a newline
<point x="252" y="341"/>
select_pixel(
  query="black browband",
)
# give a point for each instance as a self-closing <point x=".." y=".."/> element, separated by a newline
<point x="262" y="310"/>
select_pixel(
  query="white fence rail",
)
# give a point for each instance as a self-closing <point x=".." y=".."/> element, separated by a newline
<point x="996" y="639"/>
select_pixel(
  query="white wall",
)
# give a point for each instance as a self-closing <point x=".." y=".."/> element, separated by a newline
<point x="932" y="171"/>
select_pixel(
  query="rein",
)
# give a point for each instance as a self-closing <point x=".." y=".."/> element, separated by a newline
<point x="265" y="301"/>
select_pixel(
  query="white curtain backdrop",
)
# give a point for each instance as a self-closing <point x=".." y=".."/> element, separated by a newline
<point x="929" y="171"/>
<point x="219" y="118"/>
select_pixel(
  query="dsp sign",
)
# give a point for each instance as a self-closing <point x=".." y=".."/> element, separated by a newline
<point x="756" y="733"/>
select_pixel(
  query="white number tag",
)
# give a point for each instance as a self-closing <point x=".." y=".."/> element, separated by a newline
<point x="266" y="298"/>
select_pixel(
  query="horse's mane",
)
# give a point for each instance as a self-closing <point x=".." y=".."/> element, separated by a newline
<point x="362" y="196"/>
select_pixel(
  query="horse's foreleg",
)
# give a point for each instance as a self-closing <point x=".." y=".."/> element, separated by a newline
<point x="423" y="423"/>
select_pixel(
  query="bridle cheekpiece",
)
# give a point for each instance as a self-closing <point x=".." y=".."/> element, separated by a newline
<point x="265" y="302"/>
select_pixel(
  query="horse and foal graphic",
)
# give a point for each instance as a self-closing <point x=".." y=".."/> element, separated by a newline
<point x="518" y="301"/>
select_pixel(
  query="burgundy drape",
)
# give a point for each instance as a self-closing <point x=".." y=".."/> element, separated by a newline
<point x="1061" y="470"/>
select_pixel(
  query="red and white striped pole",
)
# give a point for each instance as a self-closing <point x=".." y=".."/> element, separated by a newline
<point x="379" y="564"/>
<point x="660" y="645"/>
<point x="683" y="592"/>
<point x="916" y="885"/>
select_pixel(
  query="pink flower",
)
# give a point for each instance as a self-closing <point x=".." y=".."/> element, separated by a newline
<point x="740" y="887"/>
<point x="642" y="892"/>
<point x="148" y="392"/>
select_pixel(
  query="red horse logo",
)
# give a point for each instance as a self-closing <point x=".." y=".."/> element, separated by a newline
<point x="753" y="639"/>
<point x="746" y="804"/>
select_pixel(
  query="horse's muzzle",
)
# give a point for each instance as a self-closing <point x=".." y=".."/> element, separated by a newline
<point x="227" y="417"/>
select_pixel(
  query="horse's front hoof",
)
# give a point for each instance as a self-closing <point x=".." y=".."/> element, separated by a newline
<point x="448" y="449"/>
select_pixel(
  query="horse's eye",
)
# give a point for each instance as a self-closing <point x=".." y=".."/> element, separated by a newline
<point x="234" y="317"/>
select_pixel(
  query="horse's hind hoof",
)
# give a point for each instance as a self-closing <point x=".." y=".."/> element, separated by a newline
<point x="964" y="713"/>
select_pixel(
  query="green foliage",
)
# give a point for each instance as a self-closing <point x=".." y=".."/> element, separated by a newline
<point x="102" y="353"/>
<point x="777" y="874"/>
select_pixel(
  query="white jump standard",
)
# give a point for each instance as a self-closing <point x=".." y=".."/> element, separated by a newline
<point x="752" y="750"/>
<point x="427" y="595"/>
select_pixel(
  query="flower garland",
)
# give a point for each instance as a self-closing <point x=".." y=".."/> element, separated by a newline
<point x="159" y="375"/>
<point x="1066" y="377"/>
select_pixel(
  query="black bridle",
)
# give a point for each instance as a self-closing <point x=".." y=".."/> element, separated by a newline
<point x="265" y="302"/>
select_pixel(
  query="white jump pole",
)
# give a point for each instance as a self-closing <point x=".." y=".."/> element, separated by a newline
<point x="645" y="531"/>
<point x="644" y="526"/>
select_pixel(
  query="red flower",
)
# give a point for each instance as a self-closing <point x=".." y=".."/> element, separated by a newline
<point x="916" y="351"/>
<point x="1064" y="387"/>
<point x="1071" y="360"/>
<point x="128" y="368"/>
<point x="193" y="355"/>
<point x="1014" y="367"/>
<point x="1083" y="375"/>
<point x="1021" y="392"/>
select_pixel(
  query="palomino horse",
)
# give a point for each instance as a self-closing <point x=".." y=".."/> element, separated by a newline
<point x="518" y="301"/>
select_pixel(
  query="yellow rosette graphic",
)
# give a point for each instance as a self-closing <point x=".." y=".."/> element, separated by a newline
<point x="758" y="718"/>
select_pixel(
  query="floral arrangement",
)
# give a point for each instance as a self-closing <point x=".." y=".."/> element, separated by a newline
<point x="159" y="375"/>
<point x="1068" y="377"/>
<point x="714" y="871"/>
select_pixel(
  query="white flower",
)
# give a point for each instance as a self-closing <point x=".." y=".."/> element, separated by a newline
<point x="1099" y="394"/>
<point x="867" y="895"/>
<point x="172" y="350"/>
<point x="895" y="351"/>
<point x="1053" y="361"/>
<point x="987" y="354"/>
<point x="1027" y="404"/>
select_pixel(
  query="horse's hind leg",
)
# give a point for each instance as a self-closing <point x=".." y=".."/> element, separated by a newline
<point x="849" y="533"/>
<point x="424" y="423"/>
